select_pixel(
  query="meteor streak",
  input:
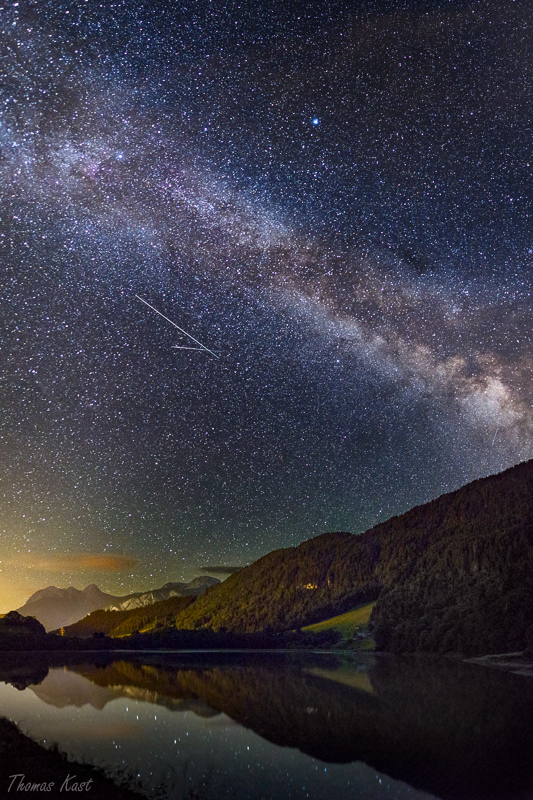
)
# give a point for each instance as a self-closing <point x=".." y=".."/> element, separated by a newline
<point x="179" y="347"/>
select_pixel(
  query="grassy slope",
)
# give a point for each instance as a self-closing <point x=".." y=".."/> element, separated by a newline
<point x="346" y="624"/>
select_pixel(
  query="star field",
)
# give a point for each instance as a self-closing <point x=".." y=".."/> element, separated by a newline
<point x="334" y="199"/>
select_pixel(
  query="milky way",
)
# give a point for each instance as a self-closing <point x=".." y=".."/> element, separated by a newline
<point x="336" y="204"/>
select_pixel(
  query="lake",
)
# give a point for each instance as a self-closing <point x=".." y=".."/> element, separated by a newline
<point x="283" y="725"/>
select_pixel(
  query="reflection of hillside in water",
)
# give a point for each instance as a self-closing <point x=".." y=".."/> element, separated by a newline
<point x="21" y="675"/>
<point x="62" y="688"/>
<point x="356" y="678"/>
<point x="452" y="729"/>
<point x="455" y="730"/>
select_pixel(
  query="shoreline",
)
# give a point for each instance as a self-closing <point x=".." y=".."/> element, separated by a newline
<point x="50" y="772"/>
<point x="520" y="663"/>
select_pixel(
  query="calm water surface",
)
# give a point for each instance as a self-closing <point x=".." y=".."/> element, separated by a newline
<point x="232" y="725"/>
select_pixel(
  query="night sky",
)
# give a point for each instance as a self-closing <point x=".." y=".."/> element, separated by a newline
<point x="332" y="198"/>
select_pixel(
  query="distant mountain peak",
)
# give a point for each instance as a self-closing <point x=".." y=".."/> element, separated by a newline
<point x="58" y="608"/>
<point x="171" y="589"/>
<point x="49" y="591"/>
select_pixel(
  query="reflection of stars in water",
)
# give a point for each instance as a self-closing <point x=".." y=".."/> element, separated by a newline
<point x="181" y="747"/>
<point x="368" y="289"/>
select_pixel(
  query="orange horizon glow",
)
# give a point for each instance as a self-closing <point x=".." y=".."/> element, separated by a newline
<point x="26" y="573"/>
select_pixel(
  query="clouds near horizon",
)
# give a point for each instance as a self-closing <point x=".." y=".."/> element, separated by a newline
<point x="75" y="562"/>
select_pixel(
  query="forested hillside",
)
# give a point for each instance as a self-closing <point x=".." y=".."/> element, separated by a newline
<point x="124" y="623"/>
<point x="289" y="588"/>
<point x="470" y="587"/>
<point x="453" y="575"/>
